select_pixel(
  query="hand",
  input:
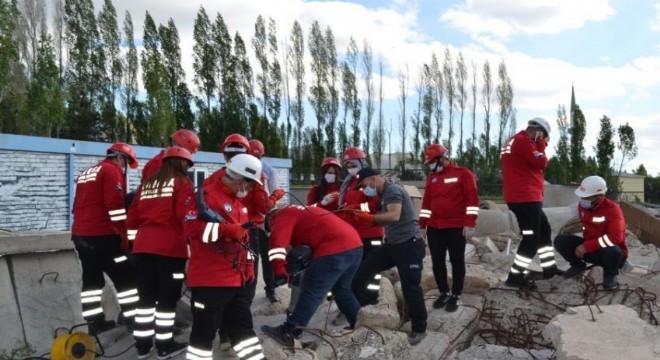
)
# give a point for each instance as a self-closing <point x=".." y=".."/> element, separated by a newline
<point x="468" y="232"/>
<point x="277" y="194"/>
<point x="580" y="251"/>
<point x="249" y="272"/>
<point x="279" y="269"/>
<point x="363" y="217"/>
<point x="329" y="198"/>
<point x="232" y="231"/>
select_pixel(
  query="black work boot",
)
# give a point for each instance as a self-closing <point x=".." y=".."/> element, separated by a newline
<point x="441" y="301"/>
<point x="610" y="282"/>
<point x="280" y="333"/>
<point x="519" y="281"/>
<point x="574" y="271"/>
<point x="551" y="271"/>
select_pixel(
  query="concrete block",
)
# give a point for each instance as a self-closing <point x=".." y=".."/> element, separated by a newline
<point x="11" y="326"/>
<point x="48" y="291"/>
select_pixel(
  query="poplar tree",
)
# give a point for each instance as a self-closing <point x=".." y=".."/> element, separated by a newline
<point x="461" y="99"/>
<point x="486" y="101"/>
<point x="504" y="95"/>
<point x="318" y="95"/>
<point x="296" y="53"/>
<point x="109" y="31"/>
<point x="367" y="66"/>
<point x="332" y="79"/>
<point x="130" y="78"/>
<point x="605" y="148"/>
<point x="450" y="93"/>
<point x="350" y="99"/>
<point x="576" y="145"/>
<point x="204" y="58"/>
<point x="438" y="95"/>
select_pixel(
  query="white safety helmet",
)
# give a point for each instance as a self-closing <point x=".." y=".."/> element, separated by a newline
<point x="592" y="185"/>
<point x="538" y="122"/>
<point x="246" y="166"/>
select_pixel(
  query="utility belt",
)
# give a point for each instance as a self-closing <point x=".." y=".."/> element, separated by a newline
<point x="412" y="239"/>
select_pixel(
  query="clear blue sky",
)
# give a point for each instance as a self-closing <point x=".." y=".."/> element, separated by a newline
<point x="609" y="50"/>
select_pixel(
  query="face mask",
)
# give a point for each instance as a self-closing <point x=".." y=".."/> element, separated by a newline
<point x="330" y="178"/>
<point x="242" y="192"/>
<point x="370" y="191"/>
<point x="586" y="204"/>
<point x="353" y="171"/>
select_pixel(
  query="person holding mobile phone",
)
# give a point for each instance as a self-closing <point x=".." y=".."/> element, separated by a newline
<point x="523" y="162"/>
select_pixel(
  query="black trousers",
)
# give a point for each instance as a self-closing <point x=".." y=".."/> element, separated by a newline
<point x="535" y="230"/>
<point x="266" y="267"/>
<point x="440" y="241"/>
<point x="611" y="258"/>
<point x="213" y="307"/>
<point x="99" y="255"/>
<point x="408" y="258"/>
<point x="159" y="285"/>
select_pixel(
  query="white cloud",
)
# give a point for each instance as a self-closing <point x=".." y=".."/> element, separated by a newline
<point x="506" y="18"/>
<point x="655" y="23"/>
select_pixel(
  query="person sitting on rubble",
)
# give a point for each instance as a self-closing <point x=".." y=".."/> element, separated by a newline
<point x="336" y="255"/>
<point x="603" y="242"/>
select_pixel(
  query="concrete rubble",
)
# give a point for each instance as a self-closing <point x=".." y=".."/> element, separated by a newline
<point x="563" y="319"/>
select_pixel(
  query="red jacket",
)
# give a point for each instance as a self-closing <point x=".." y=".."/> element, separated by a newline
<point x="153" y="165"/>
<point x="257" y="201"/>
<point x="224" y="263"/>
<point x="293" y="225"/>
<point x="450" y="199"/>
<point x="155" y="221"/>
<point x="523" y="162"/>
<point x="604" y="226"/>
<point x="98" y="207"/>
<point x="330" y="188"/>
<point x="357" y="200"/>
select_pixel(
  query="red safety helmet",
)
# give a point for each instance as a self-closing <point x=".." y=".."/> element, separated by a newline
<point x="354" y="153"/>
<point x="239" y="139"/>
<point x="330" y="161"/>
<point x="433" y="151"/>
<point x="125" y="150"/>
<point x="257" y="148"/>
<point x="178" y="152"/>
<point x="187" y="139"/>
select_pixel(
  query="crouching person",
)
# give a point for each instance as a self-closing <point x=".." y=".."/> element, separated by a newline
<point x="604" y="238"/>
<point x="336" y="255"/>
<point x="221" y="264"/>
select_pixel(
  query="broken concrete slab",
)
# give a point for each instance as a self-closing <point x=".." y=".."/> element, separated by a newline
<point x="609" y="332"/>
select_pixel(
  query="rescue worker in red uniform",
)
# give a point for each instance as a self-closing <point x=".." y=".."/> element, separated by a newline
<point x="603" y="242"/>
<point x="523" y="162"/>
<point x="325" y="194"/>
<point x="449" y="216"/>
<point x="269" y="179"/>
<point x="336" y="256"/>
<point x="155" y="225"/>
<point x="352" y="198"/>
<point x="99" y="235"/>
<point x="184" y="138"/>
<point x="221" y="262"/>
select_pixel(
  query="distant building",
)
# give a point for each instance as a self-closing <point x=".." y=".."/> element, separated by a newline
<point x="632" y="187"/>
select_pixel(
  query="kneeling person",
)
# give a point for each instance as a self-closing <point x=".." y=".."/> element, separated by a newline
<point x="604" y="238"/>
<point x="336" y="255"/>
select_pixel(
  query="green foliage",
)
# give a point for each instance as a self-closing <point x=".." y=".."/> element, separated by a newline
<point x="641" y="170"/>
<point x="8" y="46"/>
<point x="130" y="80"/>
<point x="461" y="99"/>
<point x="562" y="149"/>
<point x="450" y="93"/>
<point x="504" y="95"/>
<point x="204" y="58"/>
<point x="18" y="353"/>
<point x="626" y="145"/>
<point x="486" y="100"/>
<point x="577" y="131"/>
<point x="605" y="148"/>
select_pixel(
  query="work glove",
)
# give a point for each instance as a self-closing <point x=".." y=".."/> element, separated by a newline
<point x="330" y="198"/>
<point x="363" y="217"/>
<point x="232" y="231"/>
<point x="277" y="194"/>
<point x="279" y="269"/>
<point x="469" y="232"/>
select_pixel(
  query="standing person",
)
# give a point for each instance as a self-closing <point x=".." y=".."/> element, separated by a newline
<point x="449" y="216"/>
<point x="99" y="235"/>
<point x="523" y="162"/>
<point x="403" y="248"/>
<point x="261" y="238"/>
<point x="351" y="197"/>
<point x="336" y="255"/>
<point x="184" y="138"/>
<point x="221" y="263"/>
<point x="325" y="194"/>
<point x="604" y="239"/>
<point x="155" y="224"/>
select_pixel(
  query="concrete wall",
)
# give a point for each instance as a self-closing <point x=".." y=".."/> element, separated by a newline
<point x="40" y="282"/>
<point x="37" y="182"/>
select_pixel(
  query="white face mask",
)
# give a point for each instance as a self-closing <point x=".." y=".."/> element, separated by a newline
<point x="242" y="192"/>
<point x="330" y="178"/>
<point x="353" y="171"/>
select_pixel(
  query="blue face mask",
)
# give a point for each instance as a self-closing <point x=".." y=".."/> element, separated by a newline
<point x="370" y="191"/>
<point x="586" y="204"/>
